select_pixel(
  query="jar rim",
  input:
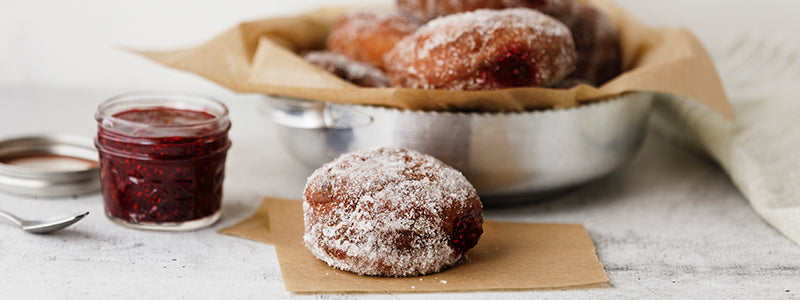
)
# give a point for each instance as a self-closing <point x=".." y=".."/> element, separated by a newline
<point x="105" y="114"/>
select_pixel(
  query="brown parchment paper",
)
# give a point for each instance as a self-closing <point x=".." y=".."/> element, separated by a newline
<point x="509" y="256"/>
<point x="260" y="57"/>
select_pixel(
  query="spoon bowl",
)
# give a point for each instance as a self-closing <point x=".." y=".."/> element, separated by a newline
<point x="43" y="226"/>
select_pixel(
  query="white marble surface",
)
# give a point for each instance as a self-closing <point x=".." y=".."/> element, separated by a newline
<point x="669" y="225"/>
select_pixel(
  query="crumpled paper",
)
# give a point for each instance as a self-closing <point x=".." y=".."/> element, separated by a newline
<point x="261" y="57"/>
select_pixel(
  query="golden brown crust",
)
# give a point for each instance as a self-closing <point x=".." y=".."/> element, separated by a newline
<point x="597" y="42"/>
<point x="390" y="212"/>
<point x="366" y="35"/>
<point x="431" y="9"/>
<point x="484" y="49"/>
<point x="358" y="73"/>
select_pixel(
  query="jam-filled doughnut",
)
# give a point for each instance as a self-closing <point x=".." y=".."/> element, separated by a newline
<point x="390" y="212"/>
<point x="430" y="9"/>
<point x="568" y="83"/>
<point x="484" y="49"/>
<point x="597" y="42"/>
<point x="366" y="35"/>
<point x="358" y="73"/>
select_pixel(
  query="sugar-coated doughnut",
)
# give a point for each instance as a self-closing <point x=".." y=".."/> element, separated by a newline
<point x="358" y="73"/>
<point x="597" y="42"/>
<point x="390" y="212"/>
<point x="484" y="49"/>
<point x="568" y="83"/>
<point x="366" y="35"/>
<point x="430" y="9"/>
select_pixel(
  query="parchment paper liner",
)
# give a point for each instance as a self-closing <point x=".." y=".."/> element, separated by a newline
<point x="260" y="57"/>
<point x="509" y="256"/>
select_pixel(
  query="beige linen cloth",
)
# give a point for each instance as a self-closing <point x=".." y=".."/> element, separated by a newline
<point x="761" y="149"/>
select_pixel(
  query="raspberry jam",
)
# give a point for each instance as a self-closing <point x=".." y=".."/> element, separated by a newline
<point x="162" y="160"/>
<point x="467" y="231"/>
<point x="513" y="68"/>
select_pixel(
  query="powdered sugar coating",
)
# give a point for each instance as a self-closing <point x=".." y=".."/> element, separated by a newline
<point x="597" y="42"/>
<point x="430" y="9"/>
<point x="366" y="35"/>
<point x="389" y="212"/>
<point x="358" y="73"/>
<point x="484" y="49"/>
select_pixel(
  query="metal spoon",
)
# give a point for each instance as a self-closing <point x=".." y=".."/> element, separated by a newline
<point x="43" y="226"/>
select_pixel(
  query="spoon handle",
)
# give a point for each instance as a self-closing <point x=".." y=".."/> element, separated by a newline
<point x="14" y="219"/>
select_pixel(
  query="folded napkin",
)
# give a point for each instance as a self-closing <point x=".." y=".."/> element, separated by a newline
<point x="761" y="149"/>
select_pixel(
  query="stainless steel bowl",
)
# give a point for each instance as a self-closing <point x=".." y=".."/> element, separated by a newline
<point x="507" y="156"/>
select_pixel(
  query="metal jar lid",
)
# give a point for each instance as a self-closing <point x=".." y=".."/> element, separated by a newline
<point x="48" y="166"/>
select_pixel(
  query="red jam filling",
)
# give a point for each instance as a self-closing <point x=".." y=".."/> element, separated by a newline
<point x="164" y="116"/>
<point x="466" y="232"/>
<point x="513" y="68"/>
<point x="162" y="179"/>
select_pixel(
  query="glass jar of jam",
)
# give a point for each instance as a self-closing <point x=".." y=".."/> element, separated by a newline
<point x="162" y="159"/>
